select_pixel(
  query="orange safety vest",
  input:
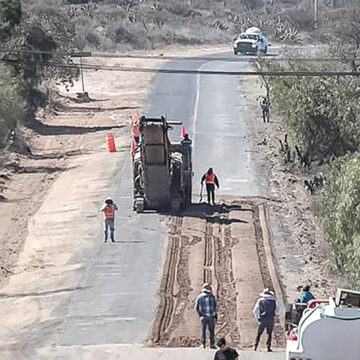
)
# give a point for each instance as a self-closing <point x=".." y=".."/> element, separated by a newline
<point x="136" y="129"/>
<point x="210" y="178"/>
<point x="109" y="212"/>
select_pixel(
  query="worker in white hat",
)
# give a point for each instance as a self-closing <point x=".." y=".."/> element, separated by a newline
<point x="264" y="312"/>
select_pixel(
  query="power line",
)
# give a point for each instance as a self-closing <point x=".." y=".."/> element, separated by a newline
<point x="270" y="57"/>
<point x="186" y="71"/>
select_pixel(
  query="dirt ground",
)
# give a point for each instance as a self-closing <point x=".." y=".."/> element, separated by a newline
<point x="223" y="246"/>
<point x="300" y="249"/>
<point x="72" y="130"/>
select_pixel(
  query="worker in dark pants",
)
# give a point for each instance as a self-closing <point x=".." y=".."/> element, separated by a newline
<point x="265" y="108"/>
<point x="108" y="209"/>
<point x="206" y="308"/>
<point x="264" y="312"/>
<point x="210" y="181"/>
<point x="186" y="146"/>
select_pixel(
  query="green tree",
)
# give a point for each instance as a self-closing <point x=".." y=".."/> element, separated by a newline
<point x="12" y="104"/>
<point x="44" y="35"/>
<point x="340" y="206"/>
<point x="10" y="15"/>
<point x="321" y="114"/>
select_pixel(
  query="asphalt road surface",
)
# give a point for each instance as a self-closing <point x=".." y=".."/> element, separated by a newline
<point x="117" y="301"/>
<point x="214" y="112"/>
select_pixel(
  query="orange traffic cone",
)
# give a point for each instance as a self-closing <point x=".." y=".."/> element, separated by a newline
<point x="183" y="132"/>
<point x="110" y="142"/>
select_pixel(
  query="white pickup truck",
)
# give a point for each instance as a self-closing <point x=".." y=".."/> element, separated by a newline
<point x="251" y="42"/>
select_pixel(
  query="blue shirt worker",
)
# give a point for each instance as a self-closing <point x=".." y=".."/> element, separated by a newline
<point x="264" y="312"/>
<point x="108" y="209"/>
<point x="305" y="295"/>
<point x="206" y="308"/>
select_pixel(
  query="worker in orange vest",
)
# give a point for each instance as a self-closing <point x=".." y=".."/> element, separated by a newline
<point x="135" y="127"/>
<point x="108" y="209"/>
<point x="210" y="181"/>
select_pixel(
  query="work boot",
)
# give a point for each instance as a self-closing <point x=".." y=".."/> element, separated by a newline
<point x="269" y="349"/>
<point x="202" y="346"/>
<point x="212" y="346"/>
<point x="255" y="347"/>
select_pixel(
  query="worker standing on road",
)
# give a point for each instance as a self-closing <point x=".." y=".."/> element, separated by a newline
<point x="225" y="352"/>
<point x="136" y="131"/>
<point x="210" y="180"/>
<point x="108" y="209"/>
<point x="186" y="146"/>
<point x="264" y="312"/>
<point x="135" y="127"/>
<point x="206" y="308"/>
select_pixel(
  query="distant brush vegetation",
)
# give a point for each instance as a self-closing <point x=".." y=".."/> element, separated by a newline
<point x="114" y="24"/>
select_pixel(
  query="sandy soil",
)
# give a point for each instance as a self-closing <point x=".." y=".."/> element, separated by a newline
<point x="300" y="249"/>
<point x="222" y="246"/>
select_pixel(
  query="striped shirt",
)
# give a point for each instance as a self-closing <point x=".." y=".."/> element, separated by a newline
<point x="206" y="304"/>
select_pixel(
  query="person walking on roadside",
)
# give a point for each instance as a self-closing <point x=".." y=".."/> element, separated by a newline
<point x="225" y="352"/>
<point x="264" y="312"/>
<point x="210" y="181"/>
<point x="206" y="308"/>
<point x="108" y="209"/>
<point x="265" y="108"/>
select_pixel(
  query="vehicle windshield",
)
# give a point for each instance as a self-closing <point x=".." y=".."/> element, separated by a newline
<point x="253" y="37"/>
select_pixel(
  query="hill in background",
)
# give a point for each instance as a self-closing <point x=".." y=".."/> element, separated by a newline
<point x="113" y="24"/>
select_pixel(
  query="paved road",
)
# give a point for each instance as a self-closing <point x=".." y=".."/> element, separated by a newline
<point x="214" y="112"/>
<point x="117" y="300"/>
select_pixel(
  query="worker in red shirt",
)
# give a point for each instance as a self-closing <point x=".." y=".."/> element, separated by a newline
<point x="135" y="127"/>
<point x="108" y="209"/>
<point x="210" y="181"/>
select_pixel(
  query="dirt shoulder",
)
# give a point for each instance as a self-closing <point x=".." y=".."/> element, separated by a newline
<point x="300" y="249"/>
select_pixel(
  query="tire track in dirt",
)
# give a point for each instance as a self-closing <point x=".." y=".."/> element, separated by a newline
<point x="201" y="247"/>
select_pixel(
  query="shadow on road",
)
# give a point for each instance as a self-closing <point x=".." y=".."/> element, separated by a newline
<point x="44" y="129"/>
<point x="214" y="214"/>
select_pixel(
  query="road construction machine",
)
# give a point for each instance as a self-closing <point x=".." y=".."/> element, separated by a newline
<point x="329" y="330"/>
<point x="162" y="170"/>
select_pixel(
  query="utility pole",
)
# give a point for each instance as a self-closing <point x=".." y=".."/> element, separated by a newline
<point x="82" y="76"/>
<point x="316" y="8"/>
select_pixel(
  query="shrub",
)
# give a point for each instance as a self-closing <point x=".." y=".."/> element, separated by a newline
<point x="11" y="104"/>
<point x="339" y="204"/>
<point x="322" y="114"/>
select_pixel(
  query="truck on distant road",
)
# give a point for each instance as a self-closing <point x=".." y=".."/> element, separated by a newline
<point x="251" y="42"/>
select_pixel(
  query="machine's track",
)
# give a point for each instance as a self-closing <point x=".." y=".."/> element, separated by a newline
<point x="222" y="246"/>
